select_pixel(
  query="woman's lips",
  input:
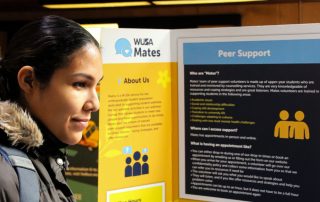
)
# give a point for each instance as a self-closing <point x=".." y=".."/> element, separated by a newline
<point x="80" y="124"/>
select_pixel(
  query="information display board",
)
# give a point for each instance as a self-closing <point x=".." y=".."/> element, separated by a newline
<point x="135" y="120"/>
<point x="249" y="118"/>
<point x="223" y="114"/>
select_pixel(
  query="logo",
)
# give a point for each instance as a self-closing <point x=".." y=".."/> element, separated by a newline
<point x="143" y="47"/>
<point x="136" y="163"/>
<point x="123" y="47"/>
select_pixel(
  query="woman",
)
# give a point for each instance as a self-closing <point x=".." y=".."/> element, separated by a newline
<point x="48" y="80"/>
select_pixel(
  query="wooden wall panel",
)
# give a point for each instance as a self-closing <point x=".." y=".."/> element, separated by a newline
<point x="310" y="12"/>
<point x="271" y="13"/>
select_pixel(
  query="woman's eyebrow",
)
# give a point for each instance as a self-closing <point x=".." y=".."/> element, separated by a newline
<point x="83" y="75"/>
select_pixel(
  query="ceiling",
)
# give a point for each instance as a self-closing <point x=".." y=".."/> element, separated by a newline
<point x="34" y="5"/>
<point x="27" y="10"/>
<point x="16" y="5"/>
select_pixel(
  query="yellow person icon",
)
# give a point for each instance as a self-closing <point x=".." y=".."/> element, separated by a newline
<point x="300" y="129"/>
<point x="283" y="127"/>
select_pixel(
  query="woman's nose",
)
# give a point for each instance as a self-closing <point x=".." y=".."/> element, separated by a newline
<point x="93" y="103"/>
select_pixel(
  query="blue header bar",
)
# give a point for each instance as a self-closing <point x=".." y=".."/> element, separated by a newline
<point x="253" y="52"/>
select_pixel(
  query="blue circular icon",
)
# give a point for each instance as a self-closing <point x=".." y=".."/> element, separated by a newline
<point x="123" y="47"/>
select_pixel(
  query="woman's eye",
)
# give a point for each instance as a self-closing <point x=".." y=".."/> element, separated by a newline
<point x="79" y="84"/>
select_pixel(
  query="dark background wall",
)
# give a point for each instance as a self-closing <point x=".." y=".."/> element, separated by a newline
<point x="15" y="13"/>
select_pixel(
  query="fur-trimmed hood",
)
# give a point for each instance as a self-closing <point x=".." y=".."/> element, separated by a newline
<point x="19" y="126"/>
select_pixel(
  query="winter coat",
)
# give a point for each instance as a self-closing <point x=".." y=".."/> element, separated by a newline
<point x="19" y="130"/>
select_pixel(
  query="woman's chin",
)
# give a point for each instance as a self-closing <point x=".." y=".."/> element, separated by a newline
<point x="74" y="140"/>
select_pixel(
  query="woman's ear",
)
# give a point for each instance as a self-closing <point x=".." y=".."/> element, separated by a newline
<point x="26" y="78"/>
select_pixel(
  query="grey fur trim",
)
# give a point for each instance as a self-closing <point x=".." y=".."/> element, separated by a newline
<point x="19" y="126"/>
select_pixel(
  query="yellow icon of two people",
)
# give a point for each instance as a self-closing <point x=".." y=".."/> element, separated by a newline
<point x="291" y="129"/>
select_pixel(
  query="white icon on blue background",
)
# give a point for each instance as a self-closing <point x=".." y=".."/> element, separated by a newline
<point x="127" y="150"/>
<point x="145" y="150"/>
<point x="123" y="47"/>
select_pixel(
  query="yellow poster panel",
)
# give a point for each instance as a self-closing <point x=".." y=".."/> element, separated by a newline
<point x="153" y="192"/>
<point x="135" y="143"/>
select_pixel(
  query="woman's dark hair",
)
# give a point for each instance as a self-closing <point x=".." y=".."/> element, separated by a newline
<point x="46" y="45"/>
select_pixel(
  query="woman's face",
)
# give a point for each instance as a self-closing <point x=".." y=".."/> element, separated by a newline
<point x="65" y="105"/>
